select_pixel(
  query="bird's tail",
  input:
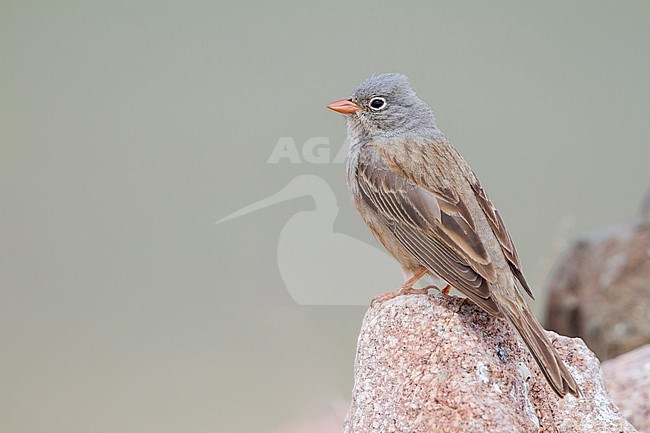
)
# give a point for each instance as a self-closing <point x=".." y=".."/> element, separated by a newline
<point x="556" y="373"/>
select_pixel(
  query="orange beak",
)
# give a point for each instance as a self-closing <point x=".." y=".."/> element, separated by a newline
<point x="344" y="106"/>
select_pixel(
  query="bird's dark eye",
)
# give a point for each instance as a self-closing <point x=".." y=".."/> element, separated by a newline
<point x="377" y="103"/>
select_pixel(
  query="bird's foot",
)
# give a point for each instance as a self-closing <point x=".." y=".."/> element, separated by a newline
<point x="444" y="291"/>
<point x="399" y="292"/>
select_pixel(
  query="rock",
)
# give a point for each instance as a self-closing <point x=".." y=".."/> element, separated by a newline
<point x="628" y="381"/>
<point x="440" y="364"/>
<point x="600" y="291"/>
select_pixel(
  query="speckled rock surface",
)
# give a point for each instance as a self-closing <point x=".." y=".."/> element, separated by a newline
<point x="439" y="364"/>
<point x="600" y="290"/>
<point x="628" y="381"/>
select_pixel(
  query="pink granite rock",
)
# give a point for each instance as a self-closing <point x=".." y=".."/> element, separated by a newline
<point x="439" y="364"/>
<point x="628" y="381"/>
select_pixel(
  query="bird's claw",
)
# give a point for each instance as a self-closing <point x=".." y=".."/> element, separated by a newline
<point x="444" y="291"/>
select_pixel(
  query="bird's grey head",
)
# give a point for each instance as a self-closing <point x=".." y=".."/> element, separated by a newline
<point x="383" y="106"/>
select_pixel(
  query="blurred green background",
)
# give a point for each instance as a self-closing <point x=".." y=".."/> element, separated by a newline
<point x="128" y="128"/>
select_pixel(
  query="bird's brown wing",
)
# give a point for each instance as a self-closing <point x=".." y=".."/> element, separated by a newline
<point x="435" y="228"/>
<point x="501" y="233"/>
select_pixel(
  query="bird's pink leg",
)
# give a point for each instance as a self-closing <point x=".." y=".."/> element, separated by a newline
<point x="405" y="289"/>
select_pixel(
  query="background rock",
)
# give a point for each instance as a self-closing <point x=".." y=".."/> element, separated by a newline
<point x="439" y="364"/>
<point x="600" y="291"/>
<point x="628" y="381"/>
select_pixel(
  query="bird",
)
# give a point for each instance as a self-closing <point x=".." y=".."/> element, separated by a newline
<point x="425" y="205"/>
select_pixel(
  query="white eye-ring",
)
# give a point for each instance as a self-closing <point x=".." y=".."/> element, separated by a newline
<point x="377" y="103"/>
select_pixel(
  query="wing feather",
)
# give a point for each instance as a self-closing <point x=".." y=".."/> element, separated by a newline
<point x="500" y="231"/>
